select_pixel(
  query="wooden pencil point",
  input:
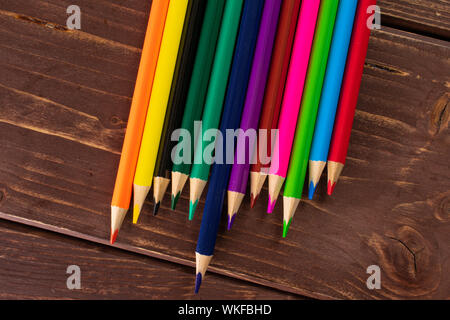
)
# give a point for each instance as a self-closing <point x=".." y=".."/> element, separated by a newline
<point x="289" y="207"/>
<point x="275" y="184"/>
<point x="196" y="189"/>
<point x="315" y="172"/>
<point x="178" y="182"/>
<point x="257" y="180"/>
<point x="160" y="185"/>
<point x="234" y="203"/>
<point x="117" y="216"/>
<point x="334" y="172"/>
<point x="140" y="193"/>
<point x="202" y="263"/>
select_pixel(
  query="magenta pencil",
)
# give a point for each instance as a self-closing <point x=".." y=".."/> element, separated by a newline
<point x="252" y="109"/>
<point x="292" y="98"/>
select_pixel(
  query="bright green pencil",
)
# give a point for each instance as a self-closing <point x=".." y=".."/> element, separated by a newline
<point x="198" y="88"/>
<point x="310" y="104"/>
<point x="215" y="98"/>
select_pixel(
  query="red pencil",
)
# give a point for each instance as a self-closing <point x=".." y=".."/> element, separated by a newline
<point x="349" y="93"/>
<point x="275" y="88"/>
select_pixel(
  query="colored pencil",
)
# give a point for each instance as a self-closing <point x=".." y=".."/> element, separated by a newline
<point x="177" y="98"/>
<point x="158" y="103"/>
<point x="136" y="121"/>
<point x="330" y="92"/>
<point x="349" y="94"/>
<point x="252" y="109"/>
<point x="309" y="107"/>
<point x="292" y="98"/>
<point x="198" y="88"/>
<point x="274" y="91"/>
<point x="215" y="97"/>
<point x="234" y="103"/>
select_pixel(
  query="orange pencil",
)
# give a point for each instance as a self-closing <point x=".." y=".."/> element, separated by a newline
<point x="136" y="121"/>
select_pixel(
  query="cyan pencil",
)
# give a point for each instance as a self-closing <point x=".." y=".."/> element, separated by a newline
<point x="331" y="90"/>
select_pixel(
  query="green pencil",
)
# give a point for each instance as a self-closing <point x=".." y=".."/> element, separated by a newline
<point x="310" y="104"/>
<point x="198" y="88"/>
<point x="216" y="96"/>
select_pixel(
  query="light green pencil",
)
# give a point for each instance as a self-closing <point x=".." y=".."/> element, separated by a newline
<point x="215" y="97"/>
<point x="310" y="104"/>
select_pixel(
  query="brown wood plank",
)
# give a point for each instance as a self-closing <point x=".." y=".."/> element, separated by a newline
<point x="64" y="101"/>
<point x="34" y="265"/>
<point x="124" y="21"/>
<point x="431" y="17"/>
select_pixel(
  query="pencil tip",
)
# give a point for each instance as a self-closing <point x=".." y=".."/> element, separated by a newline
<point x="271" y="205"/>
<point x="286" y="227"/>
<point x="198" y="282"/>
<point x="156" y="208"/>
<point x="192" y="209"/>
<point x="114" y="236"/>
<point x="231" y="221"/>
<point x="175" y="200"/>
<point x="312" y="190"/>
<point x="253" y="200"/>
<point x="136" y="213"/>
<point x="330" y="188"/>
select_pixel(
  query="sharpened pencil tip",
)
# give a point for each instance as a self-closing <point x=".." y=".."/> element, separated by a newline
<point x="175" y="200"/>
<point x="198" y="282"/>
<point x="231" y="221"/>
<point x="330" y="188"/>
<point x="253" y="200"/>
<point x="312" y="190"/>
<point x="136" y="213"/>
<point x="156" y="208"/>
<point x="286" y="227"/>
<point x="113" y="236"/>
<point x="271" y="205"/>
<point x="192" y="209"/>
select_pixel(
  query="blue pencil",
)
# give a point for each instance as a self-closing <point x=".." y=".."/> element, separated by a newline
<point x="234" y="103"/>
<point x="331" y="91"/>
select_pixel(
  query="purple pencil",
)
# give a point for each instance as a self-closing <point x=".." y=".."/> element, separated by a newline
<point x="252" y="109"/>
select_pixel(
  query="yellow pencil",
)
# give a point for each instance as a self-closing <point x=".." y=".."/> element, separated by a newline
<point x="158" y="103"/>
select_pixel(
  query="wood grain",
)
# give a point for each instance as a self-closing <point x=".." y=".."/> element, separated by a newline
<point x="64" y="103"/>
<point x="426" y="17"/>
<point x="34" y="265"/>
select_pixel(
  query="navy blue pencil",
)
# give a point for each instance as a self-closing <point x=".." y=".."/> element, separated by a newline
<point x="234" y="103"/>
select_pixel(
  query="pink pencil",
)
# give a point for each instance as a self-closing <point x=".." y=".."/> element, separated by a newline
<point x="292" y="98"/>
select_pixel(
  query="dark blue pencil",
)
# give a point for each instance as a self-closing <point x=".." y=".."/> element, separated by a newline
<point x="234" y="103"/>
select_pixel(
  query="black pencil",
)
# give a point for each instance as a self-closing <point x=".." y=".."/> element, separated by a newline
<point x="177" y="99"/>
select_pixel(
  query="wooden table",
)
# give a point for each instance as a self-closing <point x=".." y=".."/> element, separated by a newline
<point x="64" y="102"/>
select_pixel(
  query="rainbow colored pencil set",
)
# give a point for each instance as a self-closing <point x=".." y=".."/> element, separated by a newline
<point x="289" y="68"/>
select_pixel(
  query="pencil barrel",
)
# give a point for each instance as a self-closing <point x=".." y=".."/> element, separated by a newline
<point x="333" y="80"/>
<point x="234" y="104"/>
<point x="310" y="102"/>
<point x="294" y="86"/>
<point x="277" y="76"/>
<point x="136" y="120"/>
<point x="217" y="84"/>
<point x="198" y="85"/>
<point x="351" y="84"/>
<point x="180" y="85"/>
